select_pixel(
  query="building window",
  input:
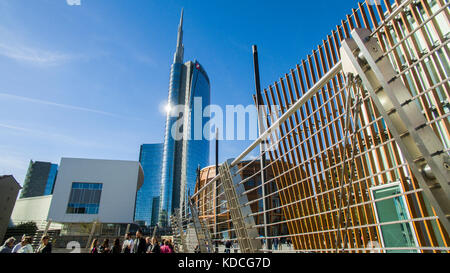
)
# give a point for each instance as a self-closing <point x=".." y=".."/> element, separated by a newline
<point x="84" y="198"/>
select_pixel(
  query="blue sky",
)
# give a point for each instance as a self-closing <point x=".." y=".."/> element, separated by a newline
<point x="91" y="80"/>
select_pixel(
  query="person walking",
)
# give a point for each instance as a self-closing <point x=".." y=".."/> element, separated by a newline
<point x="116" y="248"/>
<point x="104" y="248"/>
<point x="94" y="247"/>
<point x="27" y="247"/>
<point x="45" y="247"/>
<point x="128" y="243"/>
<point x="139" y="246"/>
<point x="8" y="246"/>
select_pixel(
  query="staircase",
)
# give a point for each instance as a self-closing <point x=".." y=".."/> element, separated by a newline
<point x="191" y="239"/>
<point x="53" y="234"/>
<point x="179" y="239"/>
<point x="201" y="229"/>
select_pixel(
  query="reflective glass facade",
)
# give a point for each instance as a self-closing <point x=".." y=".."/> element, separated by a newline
<point x="182" y="154"/>
<point x="51" y="179"/>
<point x="189" y="84"/>
<point x="197" y="152"/>
<point x="169" y="155"/>
<point x="84" y="198"/>
<point x="40" y="179"/>
<point x="147" y="208"/>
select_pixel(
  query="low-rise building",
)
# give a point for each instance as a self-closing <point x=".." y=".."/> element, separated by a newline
<point x="89" y="190"/>
<point x="9" y="189"/>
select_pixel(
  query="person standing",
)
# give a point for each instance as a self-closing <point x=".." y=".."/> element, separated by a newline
<point x="19" y="245"/>
<point x="8" y="246"/>
<point x="26" y="248"/>
<point x="171" y="246"/>
<point x="104" y="248"/>
<point x="94" y="247"/>
<point x="165" y="247"/>
<point x="45" y="247"/>
<point x="139" y="246"/>
<point x="155" y="246"/>
<point x="148" y="244"/>
<point x="275" y="243"/>
<point x="128" y="243"/>
<point x="197" y="249"/>
<point x="228" y="245"/>
<point x="116" y="248"/>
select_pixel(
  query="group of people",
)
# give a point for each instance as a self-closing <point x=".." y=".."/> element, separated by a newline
<point x="25" y="245"/>
<point x="279" y="242"/>
<point x="139" y="245"/>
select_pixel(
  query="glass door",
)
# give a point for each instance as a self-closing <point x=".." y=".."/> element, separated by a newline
<point x="391" y="210"/>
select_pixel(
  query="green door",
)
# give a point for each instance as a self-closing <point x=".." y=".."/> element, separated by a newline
<point x="393" y="209"/>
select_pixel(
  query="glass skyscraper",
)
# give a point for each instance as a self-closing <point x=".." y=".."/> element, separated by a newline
<point x="40" y="179"/>
<point x="147" y="200"/>
<point x="185" y="147"/>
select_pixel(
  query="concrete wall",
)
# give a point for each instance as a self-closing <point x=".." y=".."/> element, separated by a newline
<point x="9" y="189"/>
<point x="120" y="179"/>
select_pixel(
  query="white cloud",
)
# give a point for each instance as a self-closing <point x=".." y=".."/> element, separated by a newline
<point x="48" y="135"/>
<point x="66" y="106"/>
<point x="33" y="55"/>
<point x="73" y="2"/>
<point x="13" y="165"/>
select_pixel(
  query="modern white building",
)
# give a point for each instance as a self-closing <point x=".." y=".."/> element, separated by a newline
<point x="88" y="190"/>
<point x="32" y="209"/>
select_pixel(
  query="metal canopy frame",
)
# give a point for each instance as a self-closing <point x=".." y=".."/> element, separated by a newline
<point x="419" y="145"/>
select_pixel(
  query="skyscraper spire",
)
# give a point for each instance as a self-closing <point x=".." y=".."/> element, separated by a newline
<point x="179" y="54"/>
<point x="181" y="19"/>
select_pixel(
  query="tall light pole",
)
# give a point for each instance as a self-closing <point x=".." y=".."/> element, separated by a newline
<point x="260" y="105"/>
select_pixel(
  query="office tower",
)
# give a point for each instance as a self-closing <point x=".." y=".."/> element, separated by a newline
<point x="185" y="146"/>
<point x="147" y="201"/>
<point x="40" y="179"/>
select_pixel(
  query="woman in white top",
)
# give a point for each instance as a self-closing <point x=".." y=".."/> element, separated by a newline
<point x="26" y="248"/>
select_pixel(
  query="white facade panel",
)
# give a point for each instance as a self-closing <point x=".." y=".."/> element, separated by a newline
<point x="120" y="181"/>
<point x="33" y="209"/>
